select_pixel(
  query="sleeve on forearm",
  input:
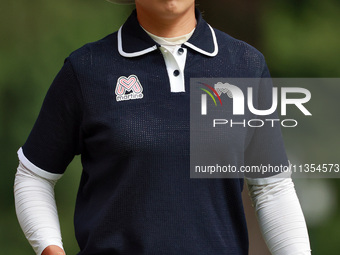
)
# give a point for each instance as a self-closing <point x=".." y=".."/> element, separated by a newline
<point x="280" y="217"/>
<point x="36" y="209"/>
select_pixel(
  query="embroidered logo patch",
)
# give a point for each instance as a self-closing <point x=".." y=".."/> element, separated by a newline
<point x="128" y="88"/>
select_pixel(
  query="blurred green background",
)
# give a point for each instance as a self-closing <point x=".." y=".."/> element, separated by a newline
<point x="298" y="38"/>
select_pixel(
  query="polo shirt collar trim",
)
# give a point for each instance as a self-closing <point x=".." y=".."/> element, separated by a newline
<point x="131" y="54"/>
<point x="133" y="41"/>
<point x="191" y="44"/>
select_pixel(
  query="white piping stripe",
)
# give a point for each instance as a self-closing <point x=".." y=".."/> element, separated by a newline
<point x="214" y="53"/>
<point x="40" y="172"/>
<point x="134" y="54"/>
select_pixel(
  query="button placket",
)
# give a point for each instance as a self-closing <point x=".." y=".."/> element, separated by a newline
<point x="175" y="62"/>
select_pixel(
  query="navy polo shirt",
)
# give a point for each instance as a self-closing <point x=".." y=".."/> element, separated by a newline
<point x="111" y="103"/>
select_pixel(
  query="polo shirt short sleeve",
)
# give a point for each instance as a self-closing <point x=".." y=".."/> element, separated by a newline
<point x="54" y="139"/>
<point x="266" y="148"/>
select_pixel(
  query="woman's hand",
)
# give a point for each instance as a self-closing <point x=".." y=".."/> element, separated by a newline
<point x="53" y="250"/>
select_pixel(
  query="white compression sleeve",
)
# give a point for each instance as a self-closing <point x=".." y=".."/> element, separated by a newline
<point x="280" y="217"/>
<point x="36" y="209"/>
